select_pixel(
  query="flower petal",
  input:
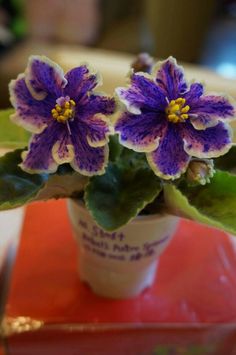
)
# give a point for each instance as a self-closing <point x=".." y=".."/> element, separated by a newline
<point x="215" y="106"/>
<point x="195" y="91"/>
<point x="98" y="131"/>
<point x="32" y="114"/>
<point x="44" y="77"/>
<point x="209" y="143"/>
<point x="142" y="93"/>
<point x="141" y="132"/>
<point x="170" y="77"/>
<point x="94" y="104"/>
<point x="92" y="114"/>
<point x="39" y="159"/>
<point x="169" y="160"/>
<point x="63" y="150"/>
<point x="87" y="160"/>
<point x="203" y="121"/>
<point x="80" y="81"/>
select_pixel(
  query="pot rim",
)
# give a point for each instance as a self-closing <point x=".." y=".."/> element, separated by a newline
<point x="137" y="219"/>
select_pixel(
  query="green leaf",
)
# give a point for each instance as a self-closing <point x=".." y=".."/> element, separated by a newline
<point x="130" y="160"/>
<point x="213" y="204"/>
<point x="64" y="183"/>
<point x="11" y="135"/>
<point x="115" y="148"/>
<point x="120" y="194"/>
<point x="16" y="186"/>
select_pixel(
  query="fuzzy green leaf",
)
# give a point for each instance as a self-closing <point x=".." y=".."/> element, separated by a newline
<point x="213" y="204"/>
<point x="116" y="197"/>
<point x="64" y="183"/>
<point x="11" y="135"/>
<point x="115" y="148"/>
<point x="16" y="186"/>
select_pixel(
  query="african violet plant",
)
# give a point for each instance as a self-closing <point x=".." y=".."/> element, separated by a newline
<point x="148" y="149"/>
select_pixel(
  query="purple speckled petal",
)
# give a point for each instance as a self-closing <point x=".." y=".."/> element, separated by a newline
<point x="143" y="93"/>
<point x="97" y="130"/>
<point x="62" y="150"/>
<point x="87" y="160"/>
<point x="44" y="77"/>
<point x="94" y="104"/>
<point x="141" y="132"/>
<point x="31" y="114"/>
<point x="39" y="159"/>
<point x="203" y="121"/>
<point x="195" y="91"/>
<point x="170" y="78"/>
<point x="169" y="160"/>
<point x="209" y="143"/>
<point x="214" y="106"/>
<point x="80" y="82"/>
<point x="92" y="115"/>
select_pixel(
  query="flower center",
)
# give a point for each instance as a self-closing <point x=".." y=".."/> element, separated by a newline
<point x="64" y="109"/>
<point x="176" y="110"/>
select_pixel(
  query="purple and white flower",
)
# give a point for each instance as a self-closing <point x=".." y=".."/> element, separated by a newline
<point x="172" y="121"/>
<point x="68" y="120"/>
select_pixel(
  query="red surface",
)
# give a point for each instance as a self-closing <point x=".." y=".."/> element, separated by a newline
<point x="160" y="341"/>
<point x="196" y="280"/>
<point x="195" y="285"/>
<point x="2" y="352"/>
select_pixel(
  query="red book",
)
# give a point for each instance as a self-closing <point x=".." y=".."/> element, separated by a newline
<point x="190" y="309"/>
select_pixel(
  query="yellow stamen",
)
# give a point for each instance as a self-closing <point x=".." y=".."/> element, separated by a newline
<point x="180" y="101"/>
<point x="58" y="108"/>
<point x="172" y="116"/>
<point x="184" y="116"/>
<point x="67" y="113"/>
<point x="175" y="108"/>
<point x="62" y="113"/>
<point x="72" y="102"/>
<point x="176" y="111"/>
<point x="185" y="109"/>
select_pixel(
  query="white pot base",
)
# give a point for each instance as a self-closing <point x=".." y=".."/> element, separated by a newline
<point x="114" y="284"/>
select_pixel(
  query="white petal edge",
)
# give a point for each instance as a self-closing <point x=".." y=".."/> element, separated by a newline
<point x="161" y="174"/>
<point x="101" y="143"/>
<point x="214" y="153"/>
<point x="51" y="169"/>
<point x="40" y="96"/>
<point x="98" y="172"/>
<point x="68" y="158"/>
<point x="17" y="119"/>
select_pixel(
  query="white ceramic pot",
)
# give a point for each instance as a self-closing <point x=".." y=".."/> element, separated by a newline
<point x="10" y="228"/>
<point x="123" y="263"/>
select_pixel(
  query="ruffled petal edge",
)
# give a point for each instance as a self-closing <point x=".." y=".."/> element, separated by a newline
<point x="100" y="171"/>
<point x="212" y="153"/>
<point x="41" y="94"/>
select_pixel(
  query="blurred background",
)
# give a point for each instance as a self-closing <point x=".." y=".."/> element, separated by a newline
<point x="108" y="33"/>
